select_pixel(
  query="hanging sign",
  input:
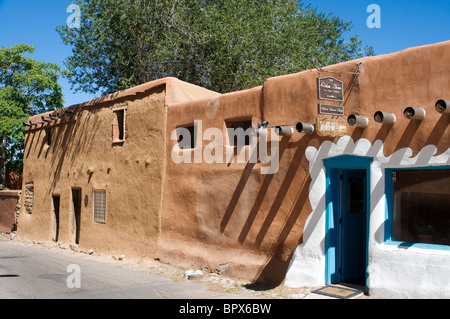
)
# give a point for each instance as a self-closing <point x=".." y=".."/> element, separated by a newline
<point x="331" y="109"/>
<point x="329" y="88"/>
<point x="331" y="127"/>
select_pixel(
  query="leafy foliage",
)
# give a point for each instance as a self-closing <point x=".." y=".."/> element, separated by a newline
<point x="27" y="87"/>
<point x="223" y="45"/>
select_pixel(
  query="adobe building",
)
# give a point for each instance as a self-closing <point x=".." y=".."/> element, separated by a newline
<point x="343" y="175"/>
<point x="93" y="173"/>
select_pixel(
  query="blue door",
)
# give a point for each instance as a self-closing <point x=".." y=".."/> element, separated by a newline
<point x="347" y="218"/>
<point x="353" y="226"/>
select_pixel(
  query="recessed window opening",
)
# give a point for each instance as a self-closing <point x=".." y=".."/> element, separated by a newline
<point x="100" y="206"/>
<point x="119" y="125"/>
<point x="421" y="206"/>
<point x="238" y="133"/>
<point x="56" y="204"/>
<point x="48" y="136"/>
<point x="186" y="136"/>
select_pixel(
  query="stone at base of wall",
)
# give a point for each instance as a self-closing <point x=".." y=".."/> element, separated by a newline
<point x="228" y="263"/>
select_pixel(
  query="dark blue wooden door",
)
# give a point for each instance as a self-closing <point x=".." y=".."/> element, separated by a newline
<point x="353" y="235"/>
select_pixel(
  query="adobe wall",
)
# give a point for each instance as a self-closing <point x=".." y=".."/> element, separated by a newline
<point x="82" y="156"/>
<point x="9" y="201"/>
<point x="253" y="224"/>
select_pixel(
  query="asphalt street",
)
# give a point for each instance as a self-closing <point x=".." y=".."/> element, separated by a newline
<point x="33" y="272"/>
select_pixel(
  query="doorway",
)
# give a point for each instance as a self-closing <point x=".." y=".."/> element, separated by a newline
<point x="347" y="219"/>
<point x="353" y="227"/>
<point x="55" y="201"/>
<point x="76" y="213"/>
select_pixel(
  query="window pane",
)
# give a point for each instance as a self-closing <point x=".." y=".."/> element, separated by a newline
<point x="356" y="194"/>
<point x="100" y="206"/>
<point x="422" y="206"/>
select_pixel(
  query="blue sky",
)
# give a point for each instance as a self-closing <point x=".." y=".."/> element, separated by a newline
<point x="404" y="24"/>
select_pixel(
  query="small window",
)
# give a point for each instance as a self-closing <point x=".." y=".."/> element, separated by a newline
<point x="238" y="133"/>
<point x="48" y="136"/>
<point x="100" y="206"/>
<point x="118" y="127"/>
<point x="421" y="206"/>
<point x="186" y="137"/>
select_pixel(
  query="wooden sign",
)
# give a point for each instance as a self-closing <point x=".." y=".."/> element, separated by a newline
<point x="331" y="127"/>
<point x="331" y="109"/>
<point x="329" y="88"/>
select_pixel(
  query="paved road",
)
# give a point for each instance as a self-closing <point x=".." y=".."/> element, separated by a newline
<point x="33" y="272"/>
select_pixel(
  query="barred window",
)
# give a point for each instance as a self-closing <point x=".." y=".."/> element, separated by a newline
<point x="100" y="206"/>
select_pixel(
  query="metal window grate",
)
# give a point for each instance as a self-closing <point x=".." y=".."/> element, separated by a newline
<point x="100" y="206"/>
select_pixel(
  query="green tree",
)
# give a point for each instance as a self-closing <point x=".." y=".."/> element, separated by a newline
<point x="223" y="45"/>
<point x="27" y="87"/>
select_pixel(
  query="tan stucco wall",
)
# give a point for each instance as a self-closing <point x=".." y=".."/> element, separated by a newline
<point x="132" y="174"/>
<point x="219" y="214"/>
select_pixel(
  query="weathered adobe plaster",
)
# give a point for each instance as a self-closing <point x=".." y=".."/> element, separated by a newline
<point x="83" y="155"/>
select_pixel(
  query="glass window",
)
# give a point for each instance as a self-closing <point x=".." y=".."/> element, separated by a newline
<point x="100" y="206"/>
<point x="356" y="194"/>
<point x="422" y="206"/>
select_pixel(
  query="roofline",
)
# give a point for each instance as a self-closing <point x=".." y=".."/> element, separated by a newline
<point x="167" y="82"/>
<point x="142" y="88"/>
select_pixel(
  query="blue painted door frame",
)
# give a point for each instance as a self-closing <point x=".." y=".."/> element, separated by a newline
<point x="334" y="167"/>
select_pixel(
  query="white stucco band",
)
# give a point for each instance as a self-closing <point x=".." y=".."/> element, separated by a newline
<point x="394" y="271"/>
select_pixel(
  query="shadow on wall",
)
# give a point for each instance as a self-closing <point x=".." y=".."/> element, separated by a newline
<point x="74" y="139"/>
<point x="275" y="268"/>
<point x="279" y="255"/>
